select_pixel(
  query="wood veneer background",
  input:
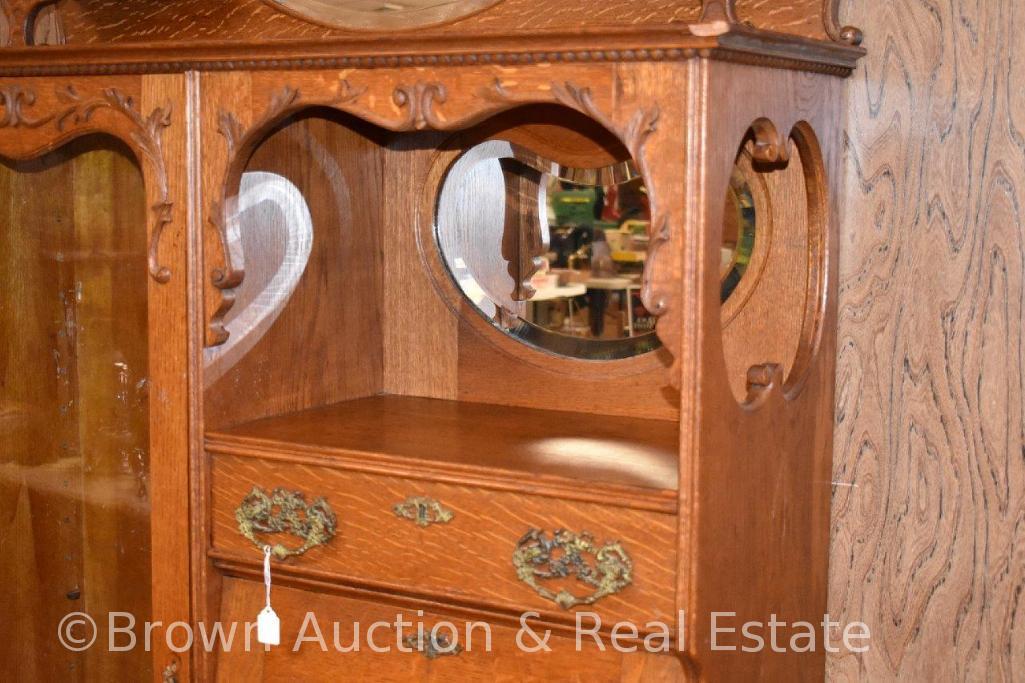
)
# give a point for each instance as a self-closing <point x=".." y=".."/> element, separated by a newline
<point x="929" y="548"/>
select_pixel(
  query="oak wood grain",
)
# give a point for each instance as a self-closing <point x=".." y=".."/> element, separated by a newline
<point x="930" y="495"/>
<point x="107" y="21"/>
<point x="469" y="559"/>
<point x="502" y="662"/>
<point x="331" y="325"/>
<point x="544" y="443"/>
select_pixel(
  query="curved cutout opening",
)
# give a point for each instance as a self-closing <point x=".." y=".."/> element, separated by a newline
<point x="350" y="285"/>
<point x="773" y="316"/>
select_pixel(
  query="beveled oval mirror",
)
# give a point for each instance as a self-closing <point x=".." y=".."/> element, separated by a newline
<point x="550" y="255"/>
<point x="382" y="14"/>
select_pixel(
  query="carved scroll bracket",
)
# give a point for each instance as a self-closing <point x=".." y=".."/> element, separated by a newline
<point x="849" y="35"/>
<point x="419" y="99"/>
<point x="634" y="134"/>
<point x="146" y="135"/>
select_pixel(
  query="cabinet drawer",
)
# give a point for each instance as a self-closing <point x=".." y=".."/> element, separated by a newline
<point x="462" y="550"/>
<point x="474" y="649"/>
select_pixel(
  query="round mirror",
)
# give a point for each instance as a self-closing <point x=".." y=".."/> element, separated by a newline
<point x="550" y="255"/>
<point x="382" y="14"/>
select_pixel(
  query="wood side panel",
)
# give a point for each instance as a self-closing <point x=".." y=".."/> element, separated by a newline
<point x="928" y="538"/>
<point x="758" y="474"/>
<point x="468" y="559"/>
<point x="503" y="661"/>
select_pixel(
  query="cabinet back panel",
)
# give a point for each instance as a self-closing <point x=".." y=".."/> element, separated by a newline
<point x="325" y="346"/>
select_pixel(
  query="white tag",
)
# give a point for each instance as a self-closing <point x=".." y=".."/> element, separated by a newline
<point x="268" y="626"/>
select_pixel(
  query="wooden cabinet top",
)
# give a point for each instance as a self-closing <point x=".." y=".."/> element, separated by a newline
<point x="110" y="36"/>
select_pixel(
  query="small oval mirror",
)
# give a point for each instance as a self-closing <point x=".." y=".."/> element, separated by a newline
<point x="550" y="255"/>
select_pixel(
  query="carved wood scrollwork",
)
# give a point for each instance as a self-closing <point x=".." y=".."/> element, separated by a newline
<point x="769" y="146"/>
<point x="418" y="104"/>
<point x="146" y="134"/>
<point x="419" y="99"/>
<point x="13" y="99"/>
<point x="850" y="35"/>
<point x="634" y="136"/>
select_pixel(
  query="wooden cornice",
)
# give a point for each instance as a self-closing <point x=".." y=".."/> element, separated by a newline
<point x="740" y="44"/>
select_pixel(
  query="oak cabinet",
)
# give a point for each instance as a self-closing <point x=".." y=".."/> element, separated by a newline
<point x="520" y="308"/>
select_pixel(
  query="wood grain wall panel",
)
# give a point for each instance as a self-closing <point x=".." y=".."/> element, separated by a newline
<point x="928" y="540"/>
<point x="420" y="346"/>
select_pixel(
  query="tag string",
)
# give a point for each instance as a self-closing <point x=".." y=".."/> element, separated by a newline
<point x="266" y="571"/>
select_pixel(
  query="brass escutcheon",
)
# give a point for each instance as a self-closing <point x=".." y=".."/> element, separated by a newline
<point x="432" y="646"/>
<point x="284" y="511"/>
<point x="535" y="559"/>
<point x="423" y="511"/>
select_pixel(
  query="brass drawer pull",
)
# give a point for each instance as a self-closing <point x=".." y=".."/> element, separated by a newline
<point x="535" y="559"/>
<point x="433" y="646"/>
<point x="423" y="511"/>
<point x="285" y="511"/>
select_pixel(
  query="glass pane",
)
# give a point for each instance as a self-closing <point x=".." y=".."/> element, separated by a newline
<point x="551" y="255"/>
<point x="74" y="416"/>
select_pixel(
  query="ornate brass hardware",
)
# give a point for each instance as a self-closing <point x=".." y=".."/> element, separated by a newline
<point x="433" y="645"/>
<point x="285" y="511"/>
<point x="423" y="511"/>
<point x="170" y="672"/>
<point x="535" y="558"/>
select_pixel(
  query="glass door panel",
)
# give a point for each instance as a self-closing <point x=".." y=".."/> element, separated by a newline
<point x="74" y="409"/>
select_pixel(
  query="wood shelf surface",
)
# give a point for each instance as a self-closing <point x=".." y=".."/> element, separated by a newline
<point x="544" y="444"/>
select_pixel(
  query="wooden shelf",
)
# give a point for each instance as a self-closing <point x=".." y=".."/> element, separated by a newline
<point x="434" y="434"/>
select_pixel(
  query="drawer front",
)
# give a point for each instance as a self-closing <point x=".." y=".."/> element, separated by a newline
<point x="471" y="649"/>
<point x="391" y="536"/>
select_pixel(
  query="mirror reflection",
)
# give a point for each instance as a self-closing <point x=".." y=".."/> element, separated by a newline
<point x="738" y="240"/>
<point x="550" y="255"/>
